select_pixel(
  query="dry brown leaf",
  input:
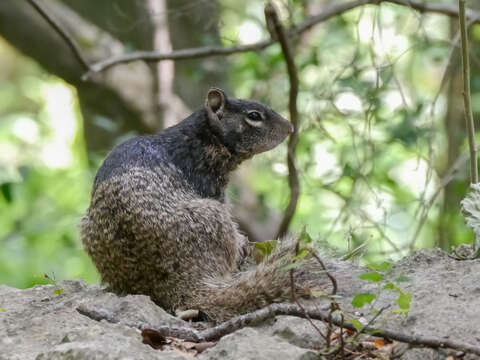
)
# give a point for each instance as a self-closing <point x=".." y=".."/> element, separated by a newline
<point x="380" y="343"/>
<point x="153" y="338"/>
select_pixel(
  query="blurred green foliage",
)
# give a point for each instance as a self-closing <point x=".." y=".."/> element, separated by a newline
<point x="41" y="202"/>
<point x="371" y="150"/>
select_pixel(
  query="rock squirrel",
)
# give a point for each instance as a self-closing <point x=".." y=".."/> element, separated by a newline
<point x="158" y="225"/>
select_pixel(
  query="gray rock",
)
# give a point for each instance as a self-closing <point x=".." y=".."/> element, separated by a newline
<point x="129" y="310"/>
<point x="104" y="341"/>
<point x="4" y="289"/>
<point x="295" y="331"/>
<point x="250" y="344"/>
<point x="39" y="324"/>
<point x="445" y="297"/>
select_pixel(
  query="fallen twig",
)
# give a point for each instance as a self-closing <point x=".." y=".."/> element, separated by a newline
<point x="259" y="316"/>
<point x="293" y="310"/>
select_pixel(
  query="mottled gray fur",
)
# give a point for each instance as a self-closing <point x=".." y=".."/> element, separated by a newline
<point x="157" y="223"/>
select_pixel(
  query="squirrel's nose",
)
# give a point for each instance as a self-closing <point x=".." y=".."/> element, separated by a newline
<point x="291" y="128"/>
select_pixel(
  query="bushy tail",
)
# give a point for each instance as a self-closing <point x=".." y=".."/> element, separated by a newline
<point x="266" y="283"/>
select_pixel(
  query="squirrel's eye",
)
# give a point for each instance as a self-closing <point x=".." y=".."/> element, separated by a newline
<point x="254" y="115"/>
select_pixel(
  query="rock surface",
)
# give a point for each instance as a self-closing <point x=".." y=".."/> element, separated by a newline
<point x="40" y="324"/>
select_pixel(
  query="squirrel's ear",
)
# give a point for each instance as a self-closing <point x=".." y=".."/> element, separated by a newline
<point x="215" y="103"/>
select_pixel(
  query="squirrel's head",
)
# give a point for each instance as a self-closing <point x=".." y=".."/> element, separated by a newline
<point x="243" y="126"/>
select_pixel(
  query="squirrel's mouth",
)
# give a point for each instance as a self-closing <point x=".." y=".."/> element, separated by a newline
<point x="270" y="145"/>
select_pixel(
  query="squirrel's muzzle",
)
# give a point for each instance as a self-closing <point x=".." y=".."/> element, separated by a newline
<point x="290" y="130"/>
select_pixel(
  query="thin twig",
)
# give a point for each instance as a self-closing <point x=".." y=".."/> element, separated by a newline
<point x="371" y="321"/>
<point x="466" y="93"/>
<point x="447" y="70"/>
<point x="342" y="341"/>
<point x="191" y="53"/>
<point x="324" y="268"/>
<point x="424" y="6"/>
<point x="295" y="299"/>
<point x="454" y="44"/>
<point x="271" y="311"/>
<point x="328" y="13"/>
<point x="293" y="182"/>
<point x="62" y="32"/>
<point x="444" y="181"/>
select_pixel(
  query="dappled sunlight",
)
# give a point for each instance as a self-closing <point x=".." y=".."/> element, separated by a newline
<point x="59" y="108"/>
<point x="249" y="32"/>
<point x="326" y="164"/>
<point x="26" y="128"/>
<point x="379" y="29"/>
<point x="414" y="174"/>
<point x="348" y="101"/>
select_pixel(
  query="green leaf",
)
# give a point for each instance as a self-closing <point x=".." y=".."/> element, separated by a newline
<point x="58" y="291"/>
<point x="379" y="267"/>
<point x="305" y="236"/>
<point x="302" y="254"/>
<point x="400" y="311"/>
<point x="362" y="299"/>
<point x="404" y="300"/>
<point x="6" y="190"/>
<point x="373" y="276"/>
<point x="356" y="324"/>
<point x="389" y="286"/>
<point x="2" y="310"/>
<point x="266" y="248"/>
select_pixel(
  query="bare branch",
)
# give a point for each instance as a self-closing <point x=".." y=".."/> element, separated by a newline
<point x="193" y="53"/>
<point x="466" y="94"/>
<point x="60" y="31"/>
<point x="335" y="10"/>
<point x="279" y="33"/>
<point x="424" y="7"/>
<point x="273" y="310"/>
<point x="290" y="309"/>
